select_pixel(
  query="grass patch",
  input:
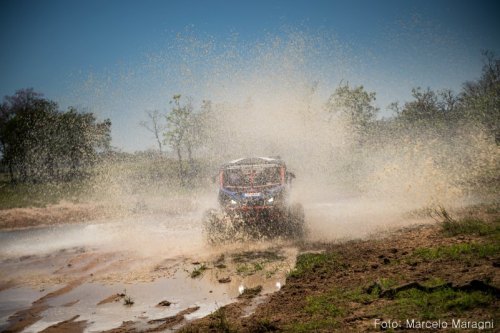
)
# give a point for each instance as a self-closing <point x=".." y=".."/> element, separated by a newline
<point x="370" y="293"/>
<point x="264" y="256"/>
<point x="414" y="303"/>
<point x="198" y="271"/>
<point x="458" y="251"/>
<point x="464" y="226"/>
<point x="250" y="292"/>
<point x="323" y="305"/>
<point x="433" y="282"/>
<point x="386" y="283"/>
<point x="468" y="226"/>
<point x="220" y="322"/>
<point x="313" y="326"/>
<point x="128" y="301"/>
<point x="323" y="311"/>
<point x="43" y="194"/>
<point x="264" y="325"/>
<point x="249" y="269"/>
<point x="308" y="263"/>
<point x="359" y="295"/>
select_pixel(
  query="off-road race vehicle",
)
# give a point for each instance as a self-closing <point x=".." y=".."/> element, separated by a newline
<point x="254" y="202"/>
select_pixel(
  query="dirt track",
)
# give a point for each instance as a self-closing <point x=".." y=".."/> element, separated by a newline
<point x="69" y="274"/>
<point x="78" y="277"/>
<point x="337" y="290"/>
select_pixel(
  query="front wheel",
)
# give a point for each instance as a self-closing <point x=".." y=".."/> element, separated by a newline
<point x="296" y="228"/>
<point x="218" y="227"/>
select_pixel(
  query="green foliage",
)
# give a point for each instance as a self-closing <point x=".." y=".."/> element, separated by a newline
<point x="414" y="303"/>
<point x="323" y="309"/>
<point x="476" y="105"/>
<point x="469" y="226"/>
<point x="220" y="324"/>
<point x="198" y="271"/>
<point x="308" y="263"/>
<point x="353" y="105"/>
<point x="42" y="194"/>
<point x="464" y="226"/>
<point x="481" y="98"/>
<point x="264" y="256"/>
<point x="458" y="251"/>
<point x="186" y="132"/>
<point x="428" y="107"/>
<point x="249" y="269"/>
<point x="251" y="292"/>
<point x="264" y="325"/>
<point x="320" y="324"/>
<point x="323" y="305"/>
<point x="39" y="143"/>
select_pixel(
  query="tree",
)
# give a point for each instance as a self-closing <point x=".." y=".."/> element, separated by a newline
<point x="154" y="125"/>
<point x="353" y="105"/>
<point x="185" y="133"/>
<point x="38" y="142"/>
<point x="480" y="100"/>
<point x="175" y="136"/>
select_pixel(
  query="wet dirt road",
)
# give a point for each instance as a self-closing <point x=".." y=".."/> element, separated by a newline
<point x="85" y="272"/>
<point x="147" y="260"/>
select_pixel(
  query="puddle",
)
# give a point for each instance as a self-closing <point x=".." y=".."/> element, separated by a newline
<point x="150" y="260"/>
<point x="18" y="298"/>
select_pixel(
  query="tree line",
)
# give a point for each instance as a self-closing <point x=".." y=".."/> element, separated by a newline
<point x="478" y="104"/>
<point x="186" y="130"/>
<point x="39" y="142"/>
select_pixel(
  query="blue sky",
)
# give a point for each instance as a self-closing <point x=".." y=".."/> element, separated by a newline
<point x="118" y="58"/>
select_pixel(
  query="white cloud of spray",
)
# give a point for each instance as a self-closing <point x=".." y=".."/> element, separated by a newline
<point x="269" y="98"/>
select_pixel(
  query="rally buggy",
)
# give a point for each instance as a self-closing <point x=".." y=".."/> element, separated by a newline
<point x="254" y="202"/>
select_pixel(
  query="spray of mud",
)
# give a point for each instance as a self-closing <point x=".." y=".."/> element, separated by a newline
<point x="269" y="98"/>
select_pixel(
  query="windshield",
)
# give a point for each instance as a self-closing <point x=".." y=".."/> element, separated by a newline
<point x="252" y="176"/>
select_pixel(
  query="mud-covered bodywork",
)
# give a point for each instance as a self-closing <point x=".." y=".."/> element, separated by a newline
<point x="254" y="201"/>
<point x="253" y="184"/>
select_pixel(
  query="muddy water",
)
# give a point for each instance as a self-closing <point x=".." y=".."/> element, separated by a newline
<point x="155" y="258"/>
<point x="149" y="259"/>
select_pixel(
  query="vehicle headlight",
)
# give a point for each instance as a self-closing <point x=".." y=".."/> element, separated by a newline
<point x="233" y="202"/>
<point x="270" y="200"/>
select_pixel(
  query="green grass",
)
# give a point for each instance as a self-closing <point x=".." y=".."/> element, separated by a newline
<point x="414" y="303"/>
<point x="433" y="282"/>
<point x="251" y="262"/>
<point x="469" y="226"/>
<point x="43" y="194"/>
<point x="220" y="322"/>
<point x="249" y="268"/>
<point x="132" y="174"/>
<point x="263" y="256"/>
<point x="198" y="271"/>
<point x="458" y="251"/>
<point x="323" y="305"/>
<point x="264" y="325"/>
<point x="308" y="263"/>
<point x="250" y="292"/>
<point x="313" y="326"/>
<point x="323" y="312"/>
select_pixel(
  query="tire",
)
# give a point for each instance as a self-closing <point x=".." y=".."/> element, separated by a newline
<point x="218" y="227"/>
<point x="295" y="228"/>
